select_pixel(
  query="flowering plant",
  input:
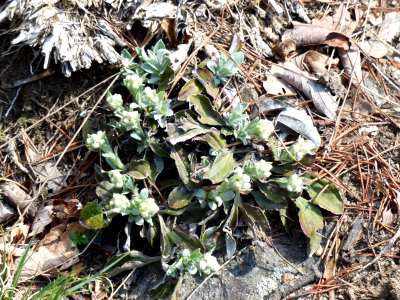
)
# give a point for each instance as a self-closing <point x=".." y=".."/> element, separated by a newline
<point x="188" y="163"/>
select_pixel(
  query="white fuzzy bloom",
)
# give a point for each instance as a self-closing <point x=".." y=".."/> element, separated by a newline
<point x="294" y="184"/>
<point x="116" y="178"/>
<point x="150" y="96"/>
<point x="264" y="129"/>
<point x="240" y="181"/>
<point x="115" y="102"/>
<point x="130" y="119"/>
<point x="120" y="204"/>
<point x="185" y="253"/>
<point x="263" y="169"/>
<point x="209" y="264"/>
<point x="133" y="82"/>
<point x="302" y="147"/>
<point x="146" y="207"/>
<point x="96" y="141"/>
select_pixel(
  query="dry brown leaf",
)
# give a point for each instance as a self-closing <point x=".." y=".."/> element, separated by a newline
<point x="6" y="212"/>
<point x="374" y="48"/>
<point x="275" y="86"/>
<point x="329" y="270"/>
<point x="305" y="34"/>
<point x="16" y="196"/>
<point x="314" y="62"/>
<point x="19" y="232"/>
<point x="42" y="218"/>
<point x="51" y="174"/>
<point x="323" y="100"/>
<point x="341" y="21"/>
<point x="71" y="207"/>
<point x="55" y="252"/>
<point x="284" y="49"/>
<point x="390" y="26"/>
<point x="350" y="60"/>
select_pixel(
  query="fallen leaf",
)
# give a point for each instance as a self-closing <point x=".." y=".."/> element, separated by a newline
<point x="299" y="121"/>
<point x="275" y="86"/>
<point x="42" y="218"/>
<point x="6" y="212"/>
<point x="307" y="34"/>
<point x="18" y="233"/>
<point x="351" y="59"/>
<point x="48" y="172"/>
<point x="374" y="48"/>
<point x="314" y="62"/>
<point x="71" y="207"/>
<point x="323" y="100"/>
<point x="16" y="196"/>
<point x="341" y="20"/>
<point x="54" y="254"/>
<point x="390" y="26"/>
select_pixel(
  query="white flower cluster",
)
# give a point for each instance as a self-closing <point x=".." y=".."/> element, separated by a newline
<point x="240" y="181"/>
<point x="133" y="82"/>
<point x="115" y="102"/>
<point x="293" y="184"/>
<point x="213" y="198"/>
<point x="117" y="178"/>
<point x="209" y="264"/>
<point x="157" y="106"/>
<point x="264" y="129"/>
<point x="130" y="119"/>
<point x="259" y="170"/>
<point x="193" y="262"/>
<point x="302" y="147"/>
<point x="96" y="141"/>
<point x="243" y="128"/>
<point x="139" y="209"/>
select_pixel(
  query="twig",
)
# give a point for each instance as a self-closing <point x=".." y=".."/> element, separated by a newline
<point x="13" y="102"/>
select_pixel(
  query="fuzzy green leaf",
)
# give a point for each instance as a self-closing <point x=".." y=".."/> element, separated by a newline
<point x="179" y="198"/>
<point x="183" y="166"/>
<point x="139" y="169"/>
<point x="254" y="215"/>
<point x="192" y="87"/>
<point x="184" y="238"/>
<point x="265" y="203"/>
<point x="105" y="190"/>
<point x="206" y="78"/>
<point x="185" y="130"/>
<point x="329" y="199"/>
<point x="273" y="192"/>
<point x="203" y="106"/>
<point x="213" y="139"/>
<point x="310" y="217"/>
<point x="130" y="261"/>
<point x="221" y="168"/>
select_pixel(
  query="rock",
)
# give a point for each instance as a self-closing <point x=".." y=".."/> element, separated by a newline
<point x="256" y="273"/>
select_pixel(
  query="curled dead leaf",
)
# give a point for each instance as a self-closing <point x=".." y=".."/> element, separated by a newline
<point x="323" y="100"/>
<point x="307" y="34"/>
<point x="54" y="253"/>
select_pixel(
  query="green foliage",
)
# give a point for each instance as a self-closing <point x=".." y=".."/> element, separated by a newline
<point x="197" y="162"/>
<point x="226" y="67"/>
<point x="79" y="239"/>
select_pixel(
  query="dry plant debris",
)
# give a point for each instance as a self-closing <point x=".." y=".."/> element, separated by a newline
<point x="334" y="79"/>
